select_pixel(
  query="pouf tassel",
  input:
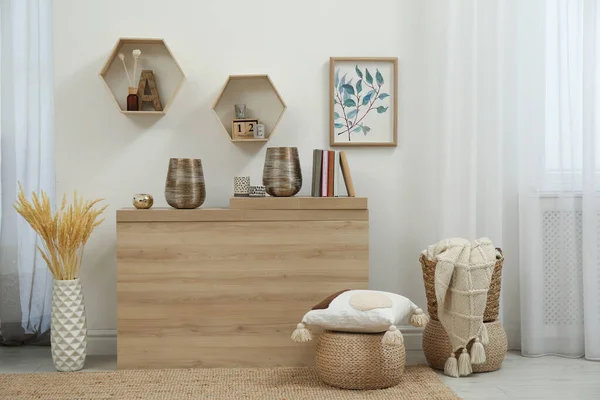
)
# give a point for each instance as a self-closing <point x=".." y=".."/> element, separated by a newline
<point x="464" y="364"/>
<point x="477" y="353"/>
<point x="419" y="319"/>
<point x="393" y="337"/>
<point x="451" y="366"/>
<point x="485" y="339"/>
<point x="301" y="334"/>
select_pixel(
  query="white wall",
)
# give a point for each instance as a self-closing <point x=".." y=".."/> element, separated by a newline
<point x="102" y="153"/>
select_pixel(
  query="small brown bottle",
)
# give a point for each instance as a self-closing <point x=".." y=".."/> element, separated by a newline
<point x="132" y="99"/>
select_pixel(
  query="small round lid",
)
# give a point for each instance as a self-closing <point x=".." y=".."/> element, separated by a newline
<point x="133" y="90"/>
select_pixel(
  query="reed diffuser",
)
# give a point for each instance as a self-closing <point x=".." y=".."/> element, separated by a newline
<point x="132" y="96"/>
<point x="64" y="234"/>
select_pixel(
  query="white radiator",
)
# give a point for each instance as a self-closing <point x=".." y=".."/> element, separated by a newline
<point x="563" y="274"/>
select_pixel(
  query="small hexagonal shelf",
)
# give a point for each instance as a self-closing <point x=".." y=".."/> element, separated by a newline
<point x="262" y="100"/>
<point x="156" y="56"/>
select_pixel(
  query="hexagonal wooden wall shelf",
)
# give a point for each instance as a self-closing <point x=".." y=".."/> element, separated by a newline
<point x="156" y="56"/>
<point x="262" y="100"/>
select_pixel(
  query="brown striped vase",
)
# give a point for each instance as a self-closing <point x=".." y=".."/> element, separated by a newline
<point x="282" y="176"/>
<point x="185" y="183"/>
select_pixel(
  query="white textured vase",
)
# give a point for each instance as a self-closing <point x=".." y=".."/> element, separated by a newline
<point x="69" y="329"/>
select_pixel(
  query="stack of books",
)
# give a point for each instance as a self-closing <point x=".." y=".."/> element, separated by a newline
<point x="326" y="178"/>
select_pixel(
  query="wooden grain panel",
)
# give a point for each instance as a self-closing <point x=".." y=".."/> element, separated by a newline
<point x="298" y="203"/>
<point x="223" y="214"/>
<point x="229" y="294"/>
<point x="196" y="354"/>
<point x="248" y="233"/>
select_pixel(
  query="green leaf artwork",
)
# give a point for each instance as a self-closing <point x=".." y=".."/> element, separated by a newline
<point x="345" y="96"/>
<point x="367" y="98"/>
<point x="342" y="82"/>
<point x="379" y="78"/>
<point x="369" y="78"/>
<point x="358" y="72"/>
<point x="352" y="113"/>
<point x="349" y="89"/>
<point x="352" y="110"/>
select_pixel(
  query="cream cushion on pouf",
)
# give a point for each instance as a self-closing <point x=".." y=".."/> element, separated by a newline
<point x="368" y="311"/>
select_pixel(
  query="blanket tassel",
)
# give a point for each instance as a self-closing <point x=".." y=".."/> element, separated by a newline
<point x="393" y="337"/>
<point x="464" y="364"/>
<point x="477" y="352"/>
<point x="419" y="319"/>
<point x="485" y="339"/>
<point x="301" y="334"/>
<point x="451" y="366"/>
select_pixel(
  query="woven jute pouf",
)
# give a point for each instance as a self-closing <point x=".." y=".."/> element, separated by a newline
<point x="358" y="361"/>
<point x="437" y="347"/>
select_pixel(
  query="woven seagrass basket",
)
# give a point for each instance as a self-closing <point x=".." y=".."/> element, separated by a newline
<point x="358" y="361"/>
<point x="437" y="347"/>
<point x="493" y="301"/>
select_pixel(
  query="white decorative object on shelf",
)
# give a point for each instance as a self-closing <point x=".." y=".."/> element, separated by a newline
<point x="257" y="191"/>
<point x="122" y="58"/>
<point x="259" y="131"/>
<point x="240" y="111"/>
<point x="136" y="55"/>
<point x="241" y="186"/>
<point x="68" y="326"/>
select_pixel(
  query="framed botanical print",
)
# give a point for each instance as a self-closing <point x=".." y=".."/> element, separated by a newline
<point x="363" y="101"/>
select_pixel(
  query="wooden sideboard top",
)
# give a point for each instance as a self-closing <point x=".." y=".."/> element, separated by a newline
<point x="237" y="215"/>
<point x="298" y="203"/>
<point x="259" y="209"/>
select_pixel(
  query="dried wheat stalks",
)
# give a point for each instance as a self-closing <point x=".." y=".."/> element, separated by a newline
<point x="64" y="233"/>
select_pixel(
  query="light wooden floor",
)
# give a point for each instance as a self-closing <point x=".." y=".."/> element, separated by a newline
<point x="520" y="377"/>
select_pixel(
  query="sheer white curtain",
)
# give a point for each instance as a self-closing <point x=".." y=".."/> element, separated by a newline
<point x="469" y="141"/>
<point x="26" y="156"/>
<point x="512" y="150"/>
<point x="560" y="191"/>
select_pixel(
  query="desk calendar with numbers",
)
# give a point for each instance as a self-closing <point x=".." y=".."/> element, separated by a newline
<point x="243" y="128"/>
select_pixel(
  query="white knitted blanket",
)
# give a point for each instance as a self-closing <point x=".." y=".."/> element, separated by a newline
<point x="462" y="278"/>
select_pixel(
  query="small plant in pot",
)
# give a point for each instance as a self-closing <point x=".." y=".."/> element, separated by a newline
<point x="64" y="233"/>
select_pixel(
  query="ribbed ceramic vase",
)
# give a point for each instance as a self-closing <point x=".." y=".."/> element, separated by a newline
<point x="68" y="326"/>
<point x="282" y="176"/>
<point x="185" y="183"/>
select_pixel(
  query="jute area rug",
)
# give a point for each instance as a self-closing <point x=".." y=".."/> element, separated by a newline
<point x="419" y="382"/>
